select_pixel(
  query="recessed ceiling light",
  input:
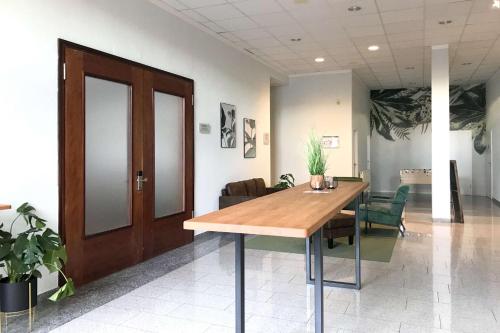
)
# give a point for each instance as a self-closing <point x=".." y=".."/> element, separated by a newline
<point x="295" y="39"/>
<point x="356" y="8"/>
<point x="373" y="48"/>
<point x="319" y="59"/>
<point x="445" y="22"/>
<point x="496" y="4"/>
<point x="409" y="68"/>
<point x="467" y="64"/>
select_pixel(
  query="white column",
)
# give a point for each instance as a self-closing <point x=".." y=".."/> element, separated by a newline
<point x="440" y="134"/>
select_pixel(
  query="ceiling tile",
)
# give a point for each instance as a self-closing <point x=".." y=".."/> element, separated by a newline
<point x="407" y="44"/>
<point x="194" y="16"/>
<point x="230" y="36"/>
<point x="290" y="5"/>
<point x="176" y="4"/>
<point x="407" y="36"/>
<point x="364" y="31"/>
<point x="275" y="50"/>
<point x="264" y="42"/>
<point x="274" y="19"/>
<point x="393" y="5"/>
<point x="252" y="34"/>
<point x="413" y="14"/>
<point x="258" y="7"/>
<point x="313" y="13"/>
<point x="240" y="23"/>
<point x="340" y="7"/>
<point x="286" y="30"/>
<point x="214" y="27"/>
<point x="201" y="3"/>
<point x="401" y="27"/>
<point x="361" y="20"/>
<point x="485" y="17"/>
<point x="221" y="12"/>
<point x="448" y="10"/>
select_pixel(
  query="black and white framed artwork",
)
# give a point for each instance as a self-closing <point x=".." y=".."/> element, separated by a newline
<point x="227" y="125"/>
<point x="249" y="138"/>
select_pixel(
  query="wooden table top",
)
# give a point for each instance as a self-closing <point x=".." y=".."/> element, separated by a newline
<point x="3" y="206"/>
<point x="288" y="213"/>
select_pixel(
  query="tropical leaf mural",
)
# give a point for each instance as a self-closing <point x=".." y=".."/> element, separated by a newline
<point x="395" y="113"/>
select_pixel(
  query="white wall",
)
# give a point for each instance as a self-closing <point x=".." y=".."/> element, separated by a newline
<point x="361" y="119"/>
<point x="493" y="124"/>
<point x="388" y="157"/>
<point x="132" y="29"/>
<point x="319" y="103"/>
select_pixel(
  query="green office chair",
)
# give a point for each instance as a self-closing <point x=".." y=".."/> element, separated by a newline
<point x="386" y="212"/>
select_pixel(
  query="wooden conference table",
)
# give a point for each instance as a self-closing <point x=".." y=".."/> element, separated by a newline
<point x="294" y="212"/>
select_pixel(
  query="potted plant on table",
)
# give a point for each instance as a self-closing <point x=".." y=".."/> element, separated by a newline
<point x="316" y="162"/>
<point x="21" y="257"/>
<point x="286" y="181"/>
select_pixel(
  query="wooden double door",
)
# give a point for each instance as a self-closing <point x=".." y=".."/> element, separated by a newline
<point x="126" y="161"/>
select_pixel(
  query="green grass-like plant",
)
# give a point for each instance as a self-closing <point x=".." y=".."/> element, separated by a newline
<point x="316" y="158"/>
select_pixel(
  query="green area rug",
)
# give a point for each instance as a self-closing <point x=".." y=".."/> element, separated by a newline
<point x="376" y="246"/>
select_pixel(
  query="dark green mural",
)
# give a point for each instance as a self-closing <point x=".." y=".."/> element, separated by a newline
<point x="395" y="113"/>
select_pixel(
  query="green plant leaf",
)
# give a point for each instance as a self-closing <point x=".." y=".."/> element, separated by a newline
<point x="68" y="289"/>
<point x="33" y="253"/>
<point x="17" y="266"/>
<point x="20" y="245"/>
<point x="4" y="250"/>
<point x="51" y="261"/>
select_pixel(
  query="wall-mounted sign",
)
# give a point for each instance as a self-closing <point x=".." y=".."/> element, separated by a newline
<point x="204" y="128"/>
<point x="330" y="142"/>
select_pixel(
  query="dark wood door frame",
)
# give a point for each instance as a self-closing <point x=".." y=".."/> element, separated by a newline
<point x="188" y="84"/>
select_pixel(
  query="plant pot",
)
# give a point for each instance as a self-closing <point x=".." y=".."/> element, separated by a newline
<point x="317" y="182"/>
<point x="14" y="297"/>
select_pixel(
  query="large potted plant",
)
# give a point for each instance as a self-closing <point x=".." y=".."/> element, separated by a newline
<point x="22" y="256"/>
<point x="316" y="162"/>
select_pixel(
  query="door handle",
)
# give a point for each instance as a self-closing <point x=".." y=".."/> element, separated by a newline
<point x="140" y="180"/>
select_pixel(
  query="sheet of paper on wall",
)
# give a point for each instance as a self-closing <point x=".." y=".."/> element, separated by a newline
<point x="330" y="142"/>
<point x="204" y="128"/>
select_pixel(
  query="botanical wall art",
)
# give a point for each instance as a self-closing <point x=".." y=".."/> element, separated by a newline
<point x="249" y="138"/>
<point x="395" y="113"/>
<point x="227" y="125"/>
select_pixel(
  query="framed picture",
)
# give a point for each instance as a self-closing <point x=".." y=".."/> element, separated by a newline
<point x="227" y="125"/>
<point x="249" y="138"/>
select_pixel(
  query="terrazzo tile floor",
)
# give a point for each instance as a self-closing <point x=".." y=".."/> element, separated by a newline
<point x="441" y="278"/>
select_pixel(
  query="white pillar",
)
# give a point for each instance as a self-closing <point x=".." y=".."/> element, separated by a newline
<point x="440" y="134"/>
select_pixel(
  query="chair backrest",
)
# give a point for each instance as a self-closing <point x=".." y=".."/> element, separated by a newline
<point x="348" y="179"/>
<point x="399" y="200"/>
<point x="351" y="205"/>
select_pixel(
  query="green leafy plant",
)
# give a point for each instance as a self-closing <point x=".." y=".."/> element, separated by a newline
<point x="286" y="181"/>
<point x="38" y="246"/>
<point x="316" y="158"/>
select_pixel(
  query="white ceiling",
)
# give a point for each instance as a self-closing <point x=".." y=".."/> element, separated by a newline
<point x="404" y="29"/>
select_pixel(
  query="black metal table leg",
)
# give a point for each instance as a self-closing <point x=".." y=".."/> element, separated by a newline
<point x="318" y="283"/>
<point x="358" y="245"/>
<point x="240" y="282"/>
<point x="308" y="260"/>
<point x="340" y="284"/>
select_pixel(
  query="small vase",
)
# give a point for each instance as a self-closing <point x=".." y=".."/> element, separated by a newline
<point x="317" y="182"/>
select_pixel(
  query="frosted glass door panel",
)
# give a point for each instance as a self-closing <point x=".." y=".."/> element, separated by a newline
<point x="107" y="155"/>
<point x="169" y="156"/>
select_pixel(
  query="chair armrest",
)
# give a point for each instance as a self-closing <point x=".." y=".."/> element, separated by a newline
<point x="230" y="200"/>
